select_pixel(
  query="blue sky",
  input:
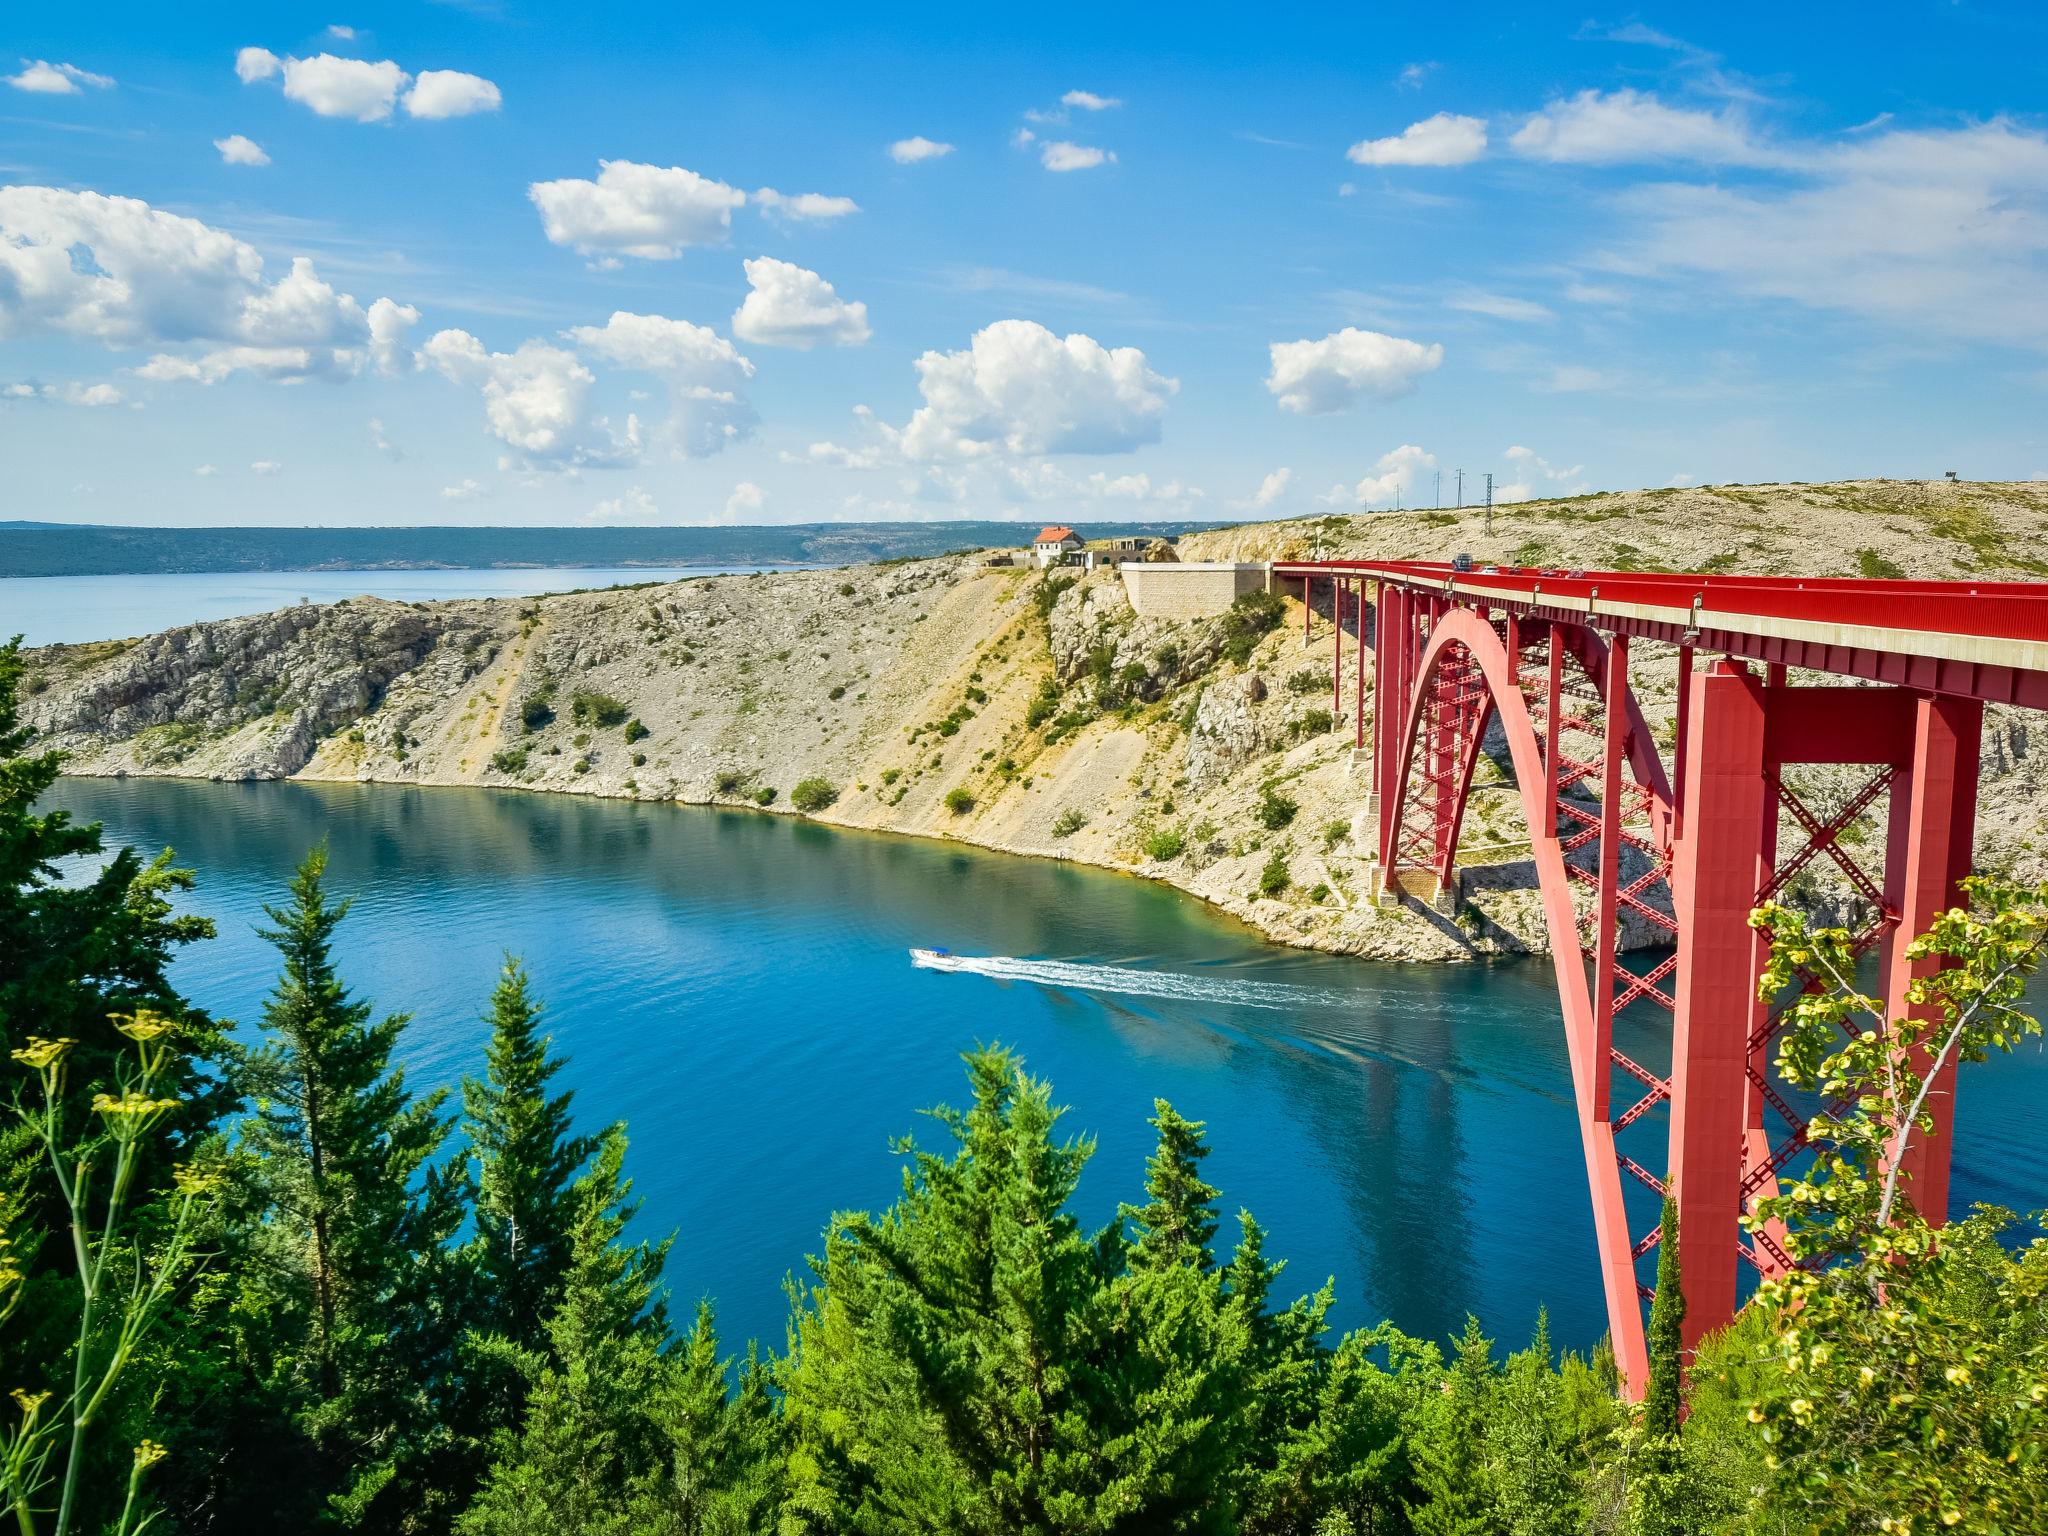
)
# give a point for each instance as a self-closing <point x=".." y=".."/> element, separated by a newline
<point x="514" y="263"/>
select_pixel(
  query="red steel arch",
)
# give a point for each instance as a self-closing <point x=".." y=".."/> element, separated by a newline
<point x="1683" y="856"/>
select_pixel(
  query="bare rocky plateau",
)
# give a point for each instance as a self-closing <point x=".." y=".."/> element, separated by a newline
<point x="940" y="698"/>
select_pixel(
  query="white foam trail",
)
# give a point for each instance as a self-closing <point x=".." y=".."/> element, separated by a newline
<point x="1232" y="991"/>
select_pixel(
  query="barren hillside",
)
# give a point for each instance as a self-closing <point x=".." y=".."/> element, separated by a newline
<point x="941" y="698"/>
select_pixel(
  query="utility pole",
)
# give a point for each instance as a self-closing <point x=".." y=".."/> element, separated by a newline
<point x="1437" y="501"/>
<point x="1461" y="488"/>
<point x="1489" y="503"/>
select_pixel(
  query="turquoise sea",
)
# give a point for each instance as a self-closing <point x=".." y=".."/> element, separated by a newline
<point x="737" y="988"/>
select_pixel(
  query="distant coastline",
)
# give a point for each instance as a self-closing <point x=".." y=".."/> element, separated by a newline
<point x="54" y="549"/>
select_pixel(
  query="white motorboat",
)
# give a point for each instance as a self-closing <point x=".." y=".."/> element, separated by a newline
<point x="935" y="959"/>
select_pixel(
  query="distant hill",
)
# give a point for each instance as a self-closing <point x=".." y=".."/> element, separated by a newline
<point x="57" y="549"/>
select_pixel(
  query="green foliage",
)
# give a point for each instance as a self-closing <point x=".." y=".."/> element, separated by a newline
<point x="1252" y="617"/>
<point x="1047" y="592"/>
<point x="511" y="760"/>
<point x="1312" y="722"/>
<point x="635" y="731"/>
<point x="1275" y="810"/>
<point x="589" y="707"/>
<point x="959" y="800"/>
<point x="765" y="795"/>
<point x="1911" y="1376"/>
<point x="1164" y="844"/>
<point x="1274" y="878"/>
<point x="1308" y="680"/>
<point x="1069" y="821"/>
<point x="537" y="709"/>
<point x="729" y="781"/>
<point x="1335" y="833"/>
<point x="1872" y="566"/>
<point x="812" y="795"/>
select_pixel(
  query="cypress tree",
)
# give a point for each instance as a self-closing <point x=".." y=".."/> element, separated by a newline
<point x="1177" y="1224"/>
<point x="1666" y="1333"/>
<point x="358" y="1212"/>
<point x="525" y="1158"/>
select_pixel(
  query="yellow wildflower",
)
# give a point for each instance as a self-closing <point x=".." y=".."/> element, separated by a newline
<point x="195" y="1181"/>
<point x="131" y="1105"/>
<point x="40" y="1053"/>
<point x="148" y="1454"/>
<point x="142" y="1024"/>
<point x="29" y="1402"/>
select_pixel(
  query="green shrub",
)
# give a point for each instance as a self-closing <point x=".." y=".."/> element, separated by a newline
<point x="1319" y="892"/>
<point x="1048" y="591"/>
<point x="846" y="589"/>
<point x="1164" y="844"/>
<point x="511" y="760"/>
<point x="1308" y="680"/>
<point x="891" y="775"/>
<point x="959" y="801"/>
<point x="1335" y="833"/>
<point x="1042" y="704"/>
<point x="765" y="795"/>
<point x="635" y="731"/>
<point x="589" y="707"/>
<point x="1313" y="722"/>
<point x="1875" y="567"/>
<point x="812" y="795"/>
<point x="537" y="710"/>
<point x="1274" y="879"/>
<point x="838" y="691"/>
<point x="729" y="781"/>
<point x="1250" y="619"/>
<point x="1275" y="809"/>
<point x="1069" y="821"/>
<point x="581" y="765"/>
<point x="639" y="759"/>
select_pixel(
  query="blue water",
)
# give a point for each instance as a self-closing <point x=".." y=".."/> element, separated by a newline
<point x="736" y="987"/>
<point x="48" y="610"/>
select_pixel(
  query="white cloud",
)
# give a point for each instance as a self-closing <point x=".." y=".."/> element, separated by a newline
<point x="1270" y="490"/>
<point x="790" y="306"/>
<point x="1088" y="101"/>
<point x="1942" y="232"/>
<point x="1312" y="378"/>
<point x="381" y="441"/>
<point x="1575" y="379"/>
<point x="704" y="373"/>
<point x="47" y="79"/>
<point x="1398" y="473"/>
<point x="388" y="323"/>
<point x="1412" y="75"/>
<point x="1444" y="139"/>
<point x="1021" y="138"/>
<point x="117" y="271"/>
<point x="341" y="33"/>
<point x="206" y="472"/>
<point x="450" y="93"/>
<point x="1021" y="390"/>
<point x="632" y="209"/>
<point x="253" y="64"/>
<point x="810" y="207"/>
<point x="235" y="149"/>
<point x="536" y="401"/>
<point x="1500" y="306"/>
<point x="466" y="490"/>
<point x="95" y="395"/>
<point x="910" y="151"/>
<point x="746" y="499"/>
<point x="338" y="87"/>
<point x="1059" y="155"/>
<point x="635" y="506"/>
<point x="1531" y="465"/>
<point x="266" y="467"/>
<point x="1629" y="127"/>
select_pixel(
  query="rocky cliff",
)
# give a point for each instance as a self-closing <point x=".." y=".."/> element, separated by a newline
<point x="943" y="698"/>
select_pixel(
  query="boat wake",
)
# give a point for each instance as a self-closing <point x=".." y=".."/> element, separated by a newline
<point x="1234" y="992"/>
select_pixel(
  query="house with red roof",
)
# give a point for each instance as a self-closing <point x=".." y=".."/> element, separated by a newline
<point x="1054" y="544"/>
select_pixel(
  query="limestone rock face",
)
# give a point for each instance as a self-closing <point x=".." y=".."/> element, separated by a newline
<point x="1229" y="730"/>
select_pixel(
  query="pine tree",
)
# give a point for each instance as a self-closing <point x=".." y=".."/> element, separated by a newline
<point x="1535" y="1475"/>
<point x="358" y="1218"/>
<point x="1177" y="1224"/>
<point x="1451" y="1471"/>
<point x="525" y="1158"/>
<point x="1666" y="1333"/>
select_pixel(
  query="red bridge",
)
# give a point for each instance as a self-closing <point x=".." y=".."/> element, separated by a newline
<point x="1681" y="854"/>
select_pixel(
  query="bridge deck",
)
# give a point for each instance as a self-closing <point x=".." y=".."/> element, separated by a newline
<point x="1977" y="639"/>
